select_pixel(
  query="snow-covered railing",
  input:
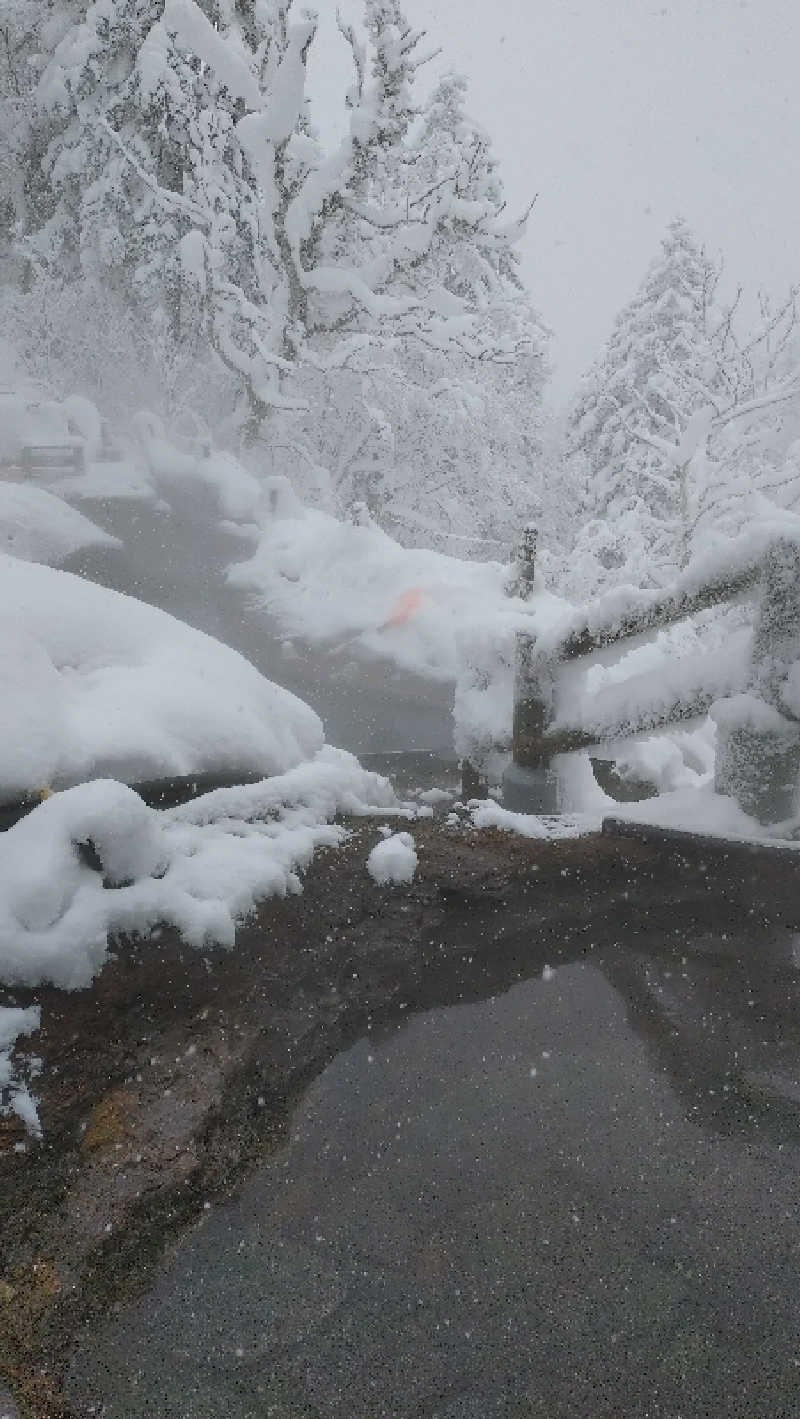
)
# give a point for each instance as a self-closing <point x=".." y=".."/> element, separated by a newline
<point x="753" y="684"/>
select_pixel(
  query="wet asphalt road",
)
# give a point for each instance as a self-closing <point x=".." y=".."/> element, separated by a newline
<point x="579" y="1198"/>
<point x="576" y="1200"/>
<point x="176" y="559"/>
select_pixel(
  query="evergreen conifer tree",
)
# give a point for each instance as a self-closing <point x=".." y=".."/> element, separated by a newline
<point x="657" y="371"/>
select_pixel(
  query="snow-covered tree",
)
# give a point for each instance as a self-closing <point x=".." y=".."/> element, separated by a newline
<point x="365" y="302"/>
<point x="30" y="30"/>
<point x="690" y="411"/>
<point x="435" y="430"/>
<point x="656" y="371"/>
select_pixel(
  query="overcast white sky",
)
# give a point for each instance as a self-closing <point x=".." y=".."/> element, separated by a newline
<point x="620" y="114"/>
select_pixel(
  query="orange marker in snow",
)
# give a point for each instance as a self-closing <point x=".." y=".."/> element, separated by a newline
<point x="404" y="610"/>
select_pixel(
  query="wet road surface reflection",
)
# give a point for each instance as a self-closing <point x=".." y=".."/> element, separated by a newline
<point x="578" y="1198"/>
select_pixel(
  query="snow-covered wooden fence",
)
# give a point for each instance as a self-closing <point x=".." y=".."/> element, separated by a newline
<point x="753" y="682"/>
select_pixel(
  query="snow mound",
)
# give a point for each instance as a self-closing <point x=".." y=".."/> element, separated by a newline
<point x="200" y="868"/>
<point x="329" y="581"/>
<point x="393" y="861"/>
<point x="39" y="527"/>
<point x="93" y="683"/>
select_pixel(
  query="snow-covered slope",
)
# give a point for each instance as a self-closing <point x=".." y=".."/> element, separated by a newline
<point x="92" y="683"/>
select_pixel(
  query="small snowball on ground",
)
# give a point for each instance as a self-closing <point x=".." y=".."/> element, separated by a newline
<point x="393" y="861"/>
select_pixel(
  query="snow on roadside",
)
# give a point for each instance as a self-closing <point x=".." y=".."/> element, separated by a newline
<point x="701" y="810"/>
<point x="94" y="683"/>
<point x="201" y="867"/>
<point x="331" y="582"/>
<point x="15" y="1097"/>
<point x="123" y="478"/>
<point x="691" y="809"/>
<point x="238" y="493"/>
<point x="37" y="526"/>
<point x="489" y="814"/>
<point x="393" y="861"/>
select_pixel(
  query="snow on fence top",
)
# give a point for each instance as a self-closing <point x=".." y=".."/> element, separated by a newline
<point x="758" y="753"/>
<point x="729" y="569"/>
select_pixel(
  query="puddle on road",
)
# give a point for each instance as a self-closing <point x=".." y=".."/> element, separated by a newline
<point x="515" y="1208"/>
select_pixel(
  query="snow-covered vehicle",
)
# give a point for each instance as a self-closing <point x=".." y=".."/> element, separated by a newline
<point x="38" y="433"/>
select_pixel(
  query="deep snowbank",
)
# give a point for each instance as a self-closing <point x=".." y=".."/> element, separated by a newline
<point x="95" y="683"/>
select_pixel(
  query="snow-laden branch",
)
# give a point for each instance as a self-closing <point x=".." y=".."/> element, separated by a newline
<point x="174" y="200"/>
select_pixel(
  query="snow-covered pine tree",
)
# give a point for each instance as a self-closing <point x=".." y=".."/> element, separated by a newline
<point x="657" y="370"/>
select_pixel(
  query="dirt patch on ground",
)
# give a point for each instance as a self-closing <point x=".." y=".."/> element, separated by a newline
<point x="171" y="1078"/>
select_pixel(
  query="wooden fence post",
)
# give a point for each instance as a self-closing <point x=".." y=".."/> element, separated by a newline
<point x="525" y="563"/>
<point x="529" y="783"/>
<point x="474" y="784"/>
<point x="758" y="741"/>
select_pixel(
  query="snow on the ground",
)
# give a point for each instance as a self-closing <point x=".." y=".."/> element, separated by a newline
<point x="393" y="861"/>
<point x="38" y="526"/>
<point x="95" y="683"/>
<point x="333" y="582"/>
<point x="123" y="478"/>
<point x="701" y="810"/>
<point x="433" y="796"/>
<point x="201" y="867"/>
<point x="238" y="493"/>
<point x="15" y="1097"/>
<point x="489" y="814"/>
<point x="691" y="809"/>
<point x="353" y="588"/>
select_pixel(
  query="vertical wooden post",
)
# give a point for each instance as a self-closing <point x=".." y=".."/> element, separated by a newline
<point x="525" y="563"/>
<point x="473" y="783"/>
<point x="529" y="783"/>
<point x="758" y="739"/>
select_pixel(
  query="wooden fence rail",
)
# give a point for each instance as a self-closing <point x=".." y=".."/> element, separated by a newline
<point x="758" y="746"/>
